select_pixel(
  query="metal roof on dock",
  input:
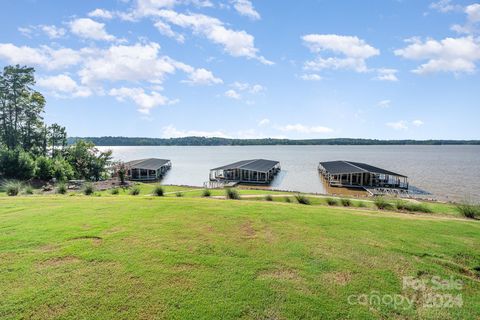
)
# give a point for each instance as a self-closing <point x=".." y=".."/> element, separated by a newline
<point x="261" y="165"/>
<point x="339" y="167"/>
<point x="147" y="164"/>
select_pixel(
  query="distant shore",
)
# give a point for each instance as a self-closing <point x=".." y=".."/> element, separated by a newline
<point x="204" y="141"/>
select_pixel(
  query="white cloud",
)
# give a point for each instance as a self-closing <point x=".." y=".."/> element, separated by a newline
<point x="304" y="129"/>
<point x="139" y="62"/>
<point x="444" y="6"/>
<point x="384" y="103"/>
<point x="63" y="85"/>
<point x="232" y="94"/>
<point x="52" y="31"/>
<point x="385" y="74"/>
<point x="145" y="101"/>
<point x="43" y="56"/>
<point x="349" y="52"/>
<point x="311" y="77"/>
<point x="457" y="55"/>
<point x="399" y="125"/>
<point x="101" y="13"/>
<point x="417" y="123"/>
<point x="235" y="43"/>
<point x="247" y="87"/>
<point x="166" y="30"/>
<point x="473" y="12"/>
<point x="202" y="77"/>
<point x="90" y="29"/>
<point x="172" y="132"/>
<point x="245" y="8"/>
<point x="263" y="122"/>
<point x="473" y="18"/>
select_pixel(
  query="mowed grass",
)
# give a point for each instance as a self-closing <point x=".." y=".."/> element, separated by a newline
<point x="193" y="258"/>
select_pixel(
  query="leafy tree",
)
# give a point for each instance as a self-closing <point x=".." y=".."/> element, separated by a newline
<point x="16" y="164"/>
<point x="120" y="170"/>
<point x="87" y="161"/>
<point x="20" y="108"/>
<point x="44" y="168"/>
<point x="62" y="170"/>
<point x="57" y="138"/>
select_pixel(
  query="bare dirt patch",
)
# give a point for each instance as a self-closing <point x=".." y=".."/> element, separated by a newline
<point x="279" y="274"/>
<point x="95" y="239"/>
<point x="57" y="262"/>
<point x="338" y="278"/>
<point x="247" y="230"/>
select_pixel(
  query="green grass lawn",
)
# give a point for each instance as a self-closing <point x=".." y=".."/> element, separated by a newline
<point x="65" y="257"/>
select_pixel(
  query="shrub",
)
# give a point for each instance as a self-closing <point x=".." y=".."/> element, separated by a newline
<point x="28" y="189"/>
<point x="62" y="170"/>
<point x="268" y="197"/>
<point x="179" y="194"/>
<point x="115" y="191"/>
<point x="412" y="206"/>
<point x="232" y="194"/>
<point x="16" y="164"/>
<point x="346" y="202"/>
<point x="331" y="201"/>
<point x="44" y="170"/>
<point x="302" y="199"/>
<point x="88" y="189"/>
<point x="12" y="187"/>
<point x="206" y="193"/>
<point x="288" y="200"/>
<point x="361" y="204"/>
<point x="158" y="191"/>
<point x="469" y="210"/>
<point x="61" y="188"/>
<point x="383" y="204"/>
<point x="134" y="191"/>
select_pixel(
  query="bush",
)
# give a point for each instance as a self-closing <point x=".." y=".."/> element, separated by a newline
<point x="61" y="188"/>
<point x="158" y="191"/>
<point x="232" y="194"/>
<point x="382" y="204"/>
<point x="331" y="202"/>
<point x="288" y="200"/>
<point x="469" y="210"/>
<point x="179" y="194"/>
<point x="88" y="189"/>
<point x="206" y="193"/>
<point x="28" y="189"/>
<point x="114" y="191"/>
<point x="16" y="164"/>
<point x="62" y="170"/>
<point x="346" y="202"/>
<point x="268" y="197"/>
<point x="412" y="206"/>
<point x="302" y="199"/>
<point x="44" y="170"/>
<point x="134" y="191"/>
<point x="12" y="187"/>
<point x="361" y="204"/>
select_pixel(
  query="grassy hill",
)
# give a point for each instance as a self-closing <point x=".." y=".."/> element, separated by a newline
<point x="148" y="257"/>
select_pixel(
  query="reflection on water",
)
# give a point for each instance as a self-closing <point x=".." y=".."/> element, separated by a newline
<point x="449" y="172"/>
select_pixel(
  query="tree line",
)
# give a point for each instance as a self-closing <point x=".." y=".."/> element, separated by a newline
<point x="204" y="141"/>
<point x="29" y="148"/>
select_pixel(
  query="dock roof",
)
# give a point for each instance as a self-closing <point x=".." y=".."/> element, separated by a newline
<point x="147" y="164"/>
<point x="261" y="165"/>
<point x="339" y="167"/>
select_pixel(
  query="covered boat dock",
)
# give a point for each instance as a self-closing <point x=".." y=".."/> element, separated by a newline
<point x="360" y="175"/>
<point x="256" y="171"/>
<point x="147" y="169"/>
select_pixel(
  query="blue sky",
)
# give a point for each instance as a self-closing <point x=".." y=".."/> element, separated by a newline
<point x="387" y="69"/>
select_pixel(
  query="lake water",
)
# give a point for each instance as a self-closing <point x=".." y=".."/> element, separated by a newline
<point x="447" y="172"/>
